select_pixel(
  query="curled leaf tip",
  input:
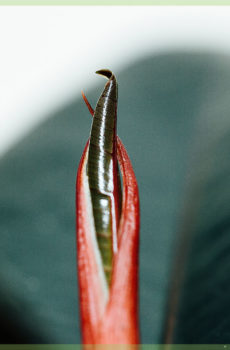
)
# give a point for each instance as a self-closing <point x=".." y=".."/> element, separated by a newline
<point x="106" y="73"/>
<point x="110" y="89"/>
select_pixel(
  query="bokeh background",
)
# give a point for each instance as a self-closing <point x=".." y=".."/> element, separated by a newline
<point x="173" y="70"/>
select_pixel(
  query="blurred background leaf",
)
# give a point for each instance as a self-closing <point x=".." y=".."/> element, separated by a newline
<point x="199" y="298"/>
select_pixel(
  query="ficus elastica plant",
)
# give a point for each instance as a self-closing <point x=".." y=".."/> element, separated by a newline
<point x="107" y="218"/>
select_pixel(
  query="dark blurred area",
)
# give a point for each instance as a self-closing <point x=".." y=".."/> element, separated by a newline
<point x="174" y="119"/>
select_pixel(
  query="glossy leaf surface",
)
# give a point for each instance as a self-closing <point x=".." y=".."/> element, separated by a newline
<point x="103" y="173"/>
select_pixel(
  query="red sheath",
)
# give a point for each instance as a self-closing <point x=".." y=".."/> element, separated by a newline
<point x="116" y="320"/>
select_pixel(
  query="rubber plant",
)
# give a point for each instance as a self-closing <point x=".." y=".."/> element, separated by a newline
<point x="107" y="212"/>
